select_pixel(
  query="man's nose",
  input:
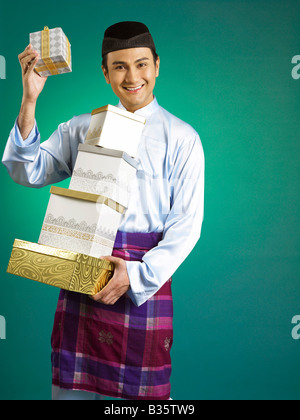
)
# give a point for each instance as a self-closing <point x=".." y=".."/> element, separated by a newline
<point x="131" y="75"/>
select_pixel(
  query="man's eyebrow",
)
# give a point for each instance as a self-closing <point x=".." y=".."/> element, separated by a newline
<point x="141" y="59"/>
<point x="124" y="62"/>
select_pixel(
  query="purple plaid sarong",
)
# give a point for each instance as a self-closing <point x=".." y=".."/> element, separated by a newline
<point x="120" y="351"/>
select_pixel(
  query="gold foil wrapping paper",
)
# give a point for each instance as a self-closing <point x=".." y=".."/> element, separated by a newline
<point x="63" y="269"/>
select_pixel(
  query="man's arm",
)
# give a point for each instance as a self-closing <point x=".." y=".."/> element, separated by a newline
<point x="182" y="230"/>
<point x="33" y="85"/>
<point x="29" y="162"/>
<point x="35" y="164"/>
<point x="182" y="227"/>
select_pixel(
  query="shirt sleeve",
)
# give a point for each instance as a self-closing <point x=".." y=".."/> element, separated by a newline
<point x="33" y="135"/>
<point x="33" y="164"/>
<point x="182" y="228"/>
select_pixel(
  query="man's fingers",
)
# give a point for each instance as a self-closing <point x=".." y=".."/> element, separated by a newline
<point x="118" y="284"/>
<point x="27" y="70"/>
<point x="100" y="297"/>
<point x="108" y="258"/>
<point x="104" y="291"/>
<point x="28" y="50"/>
<point x="114" y="260"/>
<point x="32" y="65"/>
<point x="106" y="295"/>
<point x="28" y="58"/>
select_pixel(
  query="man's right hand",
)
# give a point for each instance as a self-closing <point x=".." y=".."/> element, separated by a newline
<point x="33" y="83"/>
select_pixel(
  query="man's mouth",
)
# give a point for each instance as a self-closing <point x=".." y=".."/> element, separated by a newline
<point x="133" y="89"/>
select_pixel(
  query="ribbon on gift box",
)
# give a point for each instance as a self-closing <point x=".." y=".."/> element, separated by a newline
<point x="45" y="54"/>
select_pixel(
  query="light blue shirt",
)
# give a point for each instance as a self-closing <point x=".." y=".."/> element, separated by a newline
<point x="167" y="195"/>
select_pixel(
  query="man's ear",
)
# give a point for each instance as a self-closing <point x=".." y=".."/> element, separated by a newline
<point x="105" y="72"/>
<point x="157" y="65"/>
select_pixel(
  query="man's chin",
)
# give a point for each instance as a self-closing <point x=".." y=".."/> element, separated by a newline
<point x="134" y="104"/>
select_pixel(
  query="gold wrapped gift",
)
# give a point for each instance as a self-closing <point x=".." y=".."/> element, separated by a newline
<point x="60" y="268"/>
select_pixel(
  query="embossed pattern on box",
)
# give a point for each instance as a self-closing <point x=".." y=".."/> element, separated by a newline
<point x="60" y="268"/>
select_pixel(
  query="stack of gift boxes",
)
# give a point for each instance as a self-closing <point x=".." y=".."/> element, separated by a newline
<point x="81" y="222"/>
<point x="85" y="218"/>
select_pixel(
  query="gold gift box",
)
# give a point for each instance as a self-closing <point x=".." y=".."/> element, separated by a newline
<point x="60" y="268"/>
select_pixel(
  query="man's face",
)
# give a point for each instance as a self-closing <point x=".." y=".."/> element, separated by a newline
<point x="132" y="75"/>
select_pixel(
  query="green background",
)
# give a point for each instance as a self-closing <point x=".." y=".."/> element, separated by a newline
<point x="226" y="70"/>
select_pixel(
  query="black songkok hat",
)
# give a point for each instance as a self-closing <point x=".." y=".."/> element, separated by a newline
<point x="124" y="35"/>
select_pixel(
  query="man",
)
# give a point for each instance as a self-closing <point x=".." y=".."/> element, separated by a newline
<point x="118" y="343"/>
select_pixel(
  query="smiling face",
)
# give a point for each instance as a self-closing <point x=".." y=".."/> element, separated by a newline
<point x="132" y="75"/>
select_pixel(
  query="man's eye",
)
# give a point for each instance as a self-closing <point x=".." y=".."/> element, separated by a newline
<point x="119" y="67"/>
<point x="142" y="64"/>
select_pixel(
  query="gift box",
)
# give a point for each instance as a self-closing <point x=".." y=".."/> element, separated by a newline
<point x="56" y="267"/>
<point x="115" y="128"/>
<point x="105" y="172"/>
<point x="81" y="222"/>
<point x="54" y="49"/>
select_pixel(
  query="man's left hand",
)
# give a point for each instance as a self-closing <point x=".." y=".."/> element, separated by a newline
<point x="118" y="284"/>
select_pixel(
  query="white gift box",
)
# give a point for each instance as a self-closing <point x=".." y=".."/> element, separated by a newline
<point x="115" y="128"/>
<point x="105" y="172"/>
<point x="54" y="49"/>
<point x="81" y="222"/>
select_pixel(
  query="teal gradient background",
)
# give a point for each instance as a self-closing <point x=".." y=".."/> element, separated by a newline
<point x="226" y="70"/>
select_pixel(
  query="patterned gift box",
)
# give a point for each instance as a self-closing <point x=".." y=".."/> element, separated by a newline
<point x="105" y="172"/>
<point x="60" y="268"/>
<point x="54" y="49"/>
<point x="81" y="222"/>
<point x="116" y="129"/>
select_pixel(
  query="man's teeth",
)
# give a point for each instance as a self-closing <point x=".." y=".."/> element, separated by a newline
<point x="139" y="87"/>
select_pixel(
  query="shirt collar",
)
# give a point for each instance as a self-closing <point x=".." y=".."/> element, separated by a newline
<point x="145" y="111"/>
